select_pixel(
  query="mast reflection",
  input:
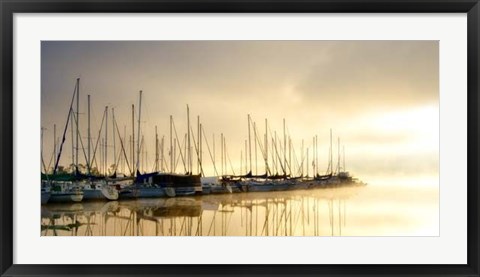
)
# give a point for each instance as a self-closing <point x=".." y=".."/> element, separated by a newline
<point x="303" y="213"/>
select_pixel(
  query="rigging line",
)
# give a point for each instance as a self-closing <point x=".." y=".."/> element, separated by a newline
<point x="123" y="148"/>
<point x="165" y="164"/>
<point x="92" y="115"/>
<point x="305" y="158"/>
<point x="140" y="149"/>
<point x="116" y="164"/>
<point x="209" y="152"/>
<point x="276" y="151"/>
<point x="180" y="148"/>
<point x="98" y="139"/>
<point x="228" y="157"/>
<point x="295" y="157"/>
<point x="197" y="151"/>
<point x="81" y="141"/>
<point x="65" y="130"/>
<point x="264" y="155"/>
<point x="144" y="141"/>
<point x="279" y="158"/>
<point x="154" y="166"/>
<point x="41" y="156"/>
<point x="51" y="159"/>
<point x="184" y="145"/>
<point x="287" y="163"/>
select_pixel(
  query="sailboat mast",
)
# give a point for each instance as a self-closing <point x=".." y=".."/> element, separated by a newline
<point x="189" y="169"/>
<point x="313" y="156"/>
<point x="274" y="158"/>
<point x="184" y="150"/>
<point x="255" y="141"/>
<point x="303" y="156"/>
<point x="143" y="153"/>
<point x="162" y="167"/>
<point x="198" y="144"/>
<point x="249" y="145"/>
<point x="133" y="139"/>
<point x="284" y="148"/>
<point x="290" y="154"/>
<point x="338" y="166"/>
<point x="78" y="120"/>
<point x="124" y="137"/>
<point x="73" y="142"/>
<point x="331" y="153"/>
<point x="55" y="144"/>
<point x="105" y="158"/>
<point x="131" y="154"/>
<point x="70" y="111"/>
<point x="221" y="150"/>
<point x="316" y="154"/>
<point x="174" y="164"/>
<point x="307" y="162"/>
<point x="266" y="145"/>
<point x="213" y="150"/>
<point x="41" y="150"/>
<point x="171" y="145"/>
<point x="89" y="135"/>
<point x="200" y="149"/>
<point x="113" y="137"/>
<point x="138" y="134"/>
<point x="156" y="149"/>
<point x="225" y="154"/>
<point x="102" y="154"/>
<point x="246" y="165"/>
<point x="344" y="168"/>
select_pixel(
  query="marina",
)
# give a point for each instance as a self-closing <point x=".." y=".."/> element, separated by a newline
<point x="78" y="185"/>
<point x="239" y="138"/>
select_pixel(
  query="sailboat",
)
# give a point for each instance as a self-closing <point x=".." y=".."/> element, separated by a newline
<point x="98" y="187"/>
<point x="99" y="190"/>
<point x="144" y="185"/>
<point x="63" y="187"/>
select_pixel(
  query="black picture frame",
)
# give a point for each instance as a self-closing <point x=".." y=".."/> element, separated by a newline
<point x="10" y="7"/>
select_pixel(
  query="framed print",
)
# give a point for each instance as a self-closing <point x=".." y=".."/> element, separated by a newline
<point x="244" y="138"/>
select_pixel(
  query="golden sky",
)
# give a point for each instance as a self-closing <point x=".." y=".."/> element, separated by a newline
<point x="380" y="97"/>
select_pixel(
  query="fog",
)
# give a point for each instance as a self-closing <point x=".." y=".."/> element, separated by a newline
<point x="381" y="98"/>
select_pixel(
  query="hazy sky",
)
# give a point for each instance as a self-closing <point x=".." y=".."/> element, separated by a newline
<point x="380" y="97"/>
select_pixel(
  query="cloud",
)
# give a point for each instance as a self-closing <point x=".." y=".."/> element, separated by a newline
<point x="364" y="75"/>
<point x="315" y="85"/>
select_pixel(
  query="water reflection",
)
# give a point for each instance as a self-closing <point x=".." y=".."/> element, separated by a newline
<point x="321" y="212"/>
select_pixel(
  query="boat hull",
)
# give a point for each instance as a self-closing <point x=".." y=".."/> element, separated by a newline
<point x="100" y="194"/>
<point x="45" y="197"/>
<point x="300" y="185"/>
<point x="185" y="191"/>
<point x="281" y="186"/>
<point x="206" y="189"/>
<point x="142" y="192"/>
<point x="221" y="189"/>
<point x="260" y="187"/>
<point x="65" y="197"/>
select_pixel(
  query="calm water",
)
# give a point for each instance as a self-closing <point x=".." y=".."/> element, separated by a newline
<point x="356" y="211"/>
